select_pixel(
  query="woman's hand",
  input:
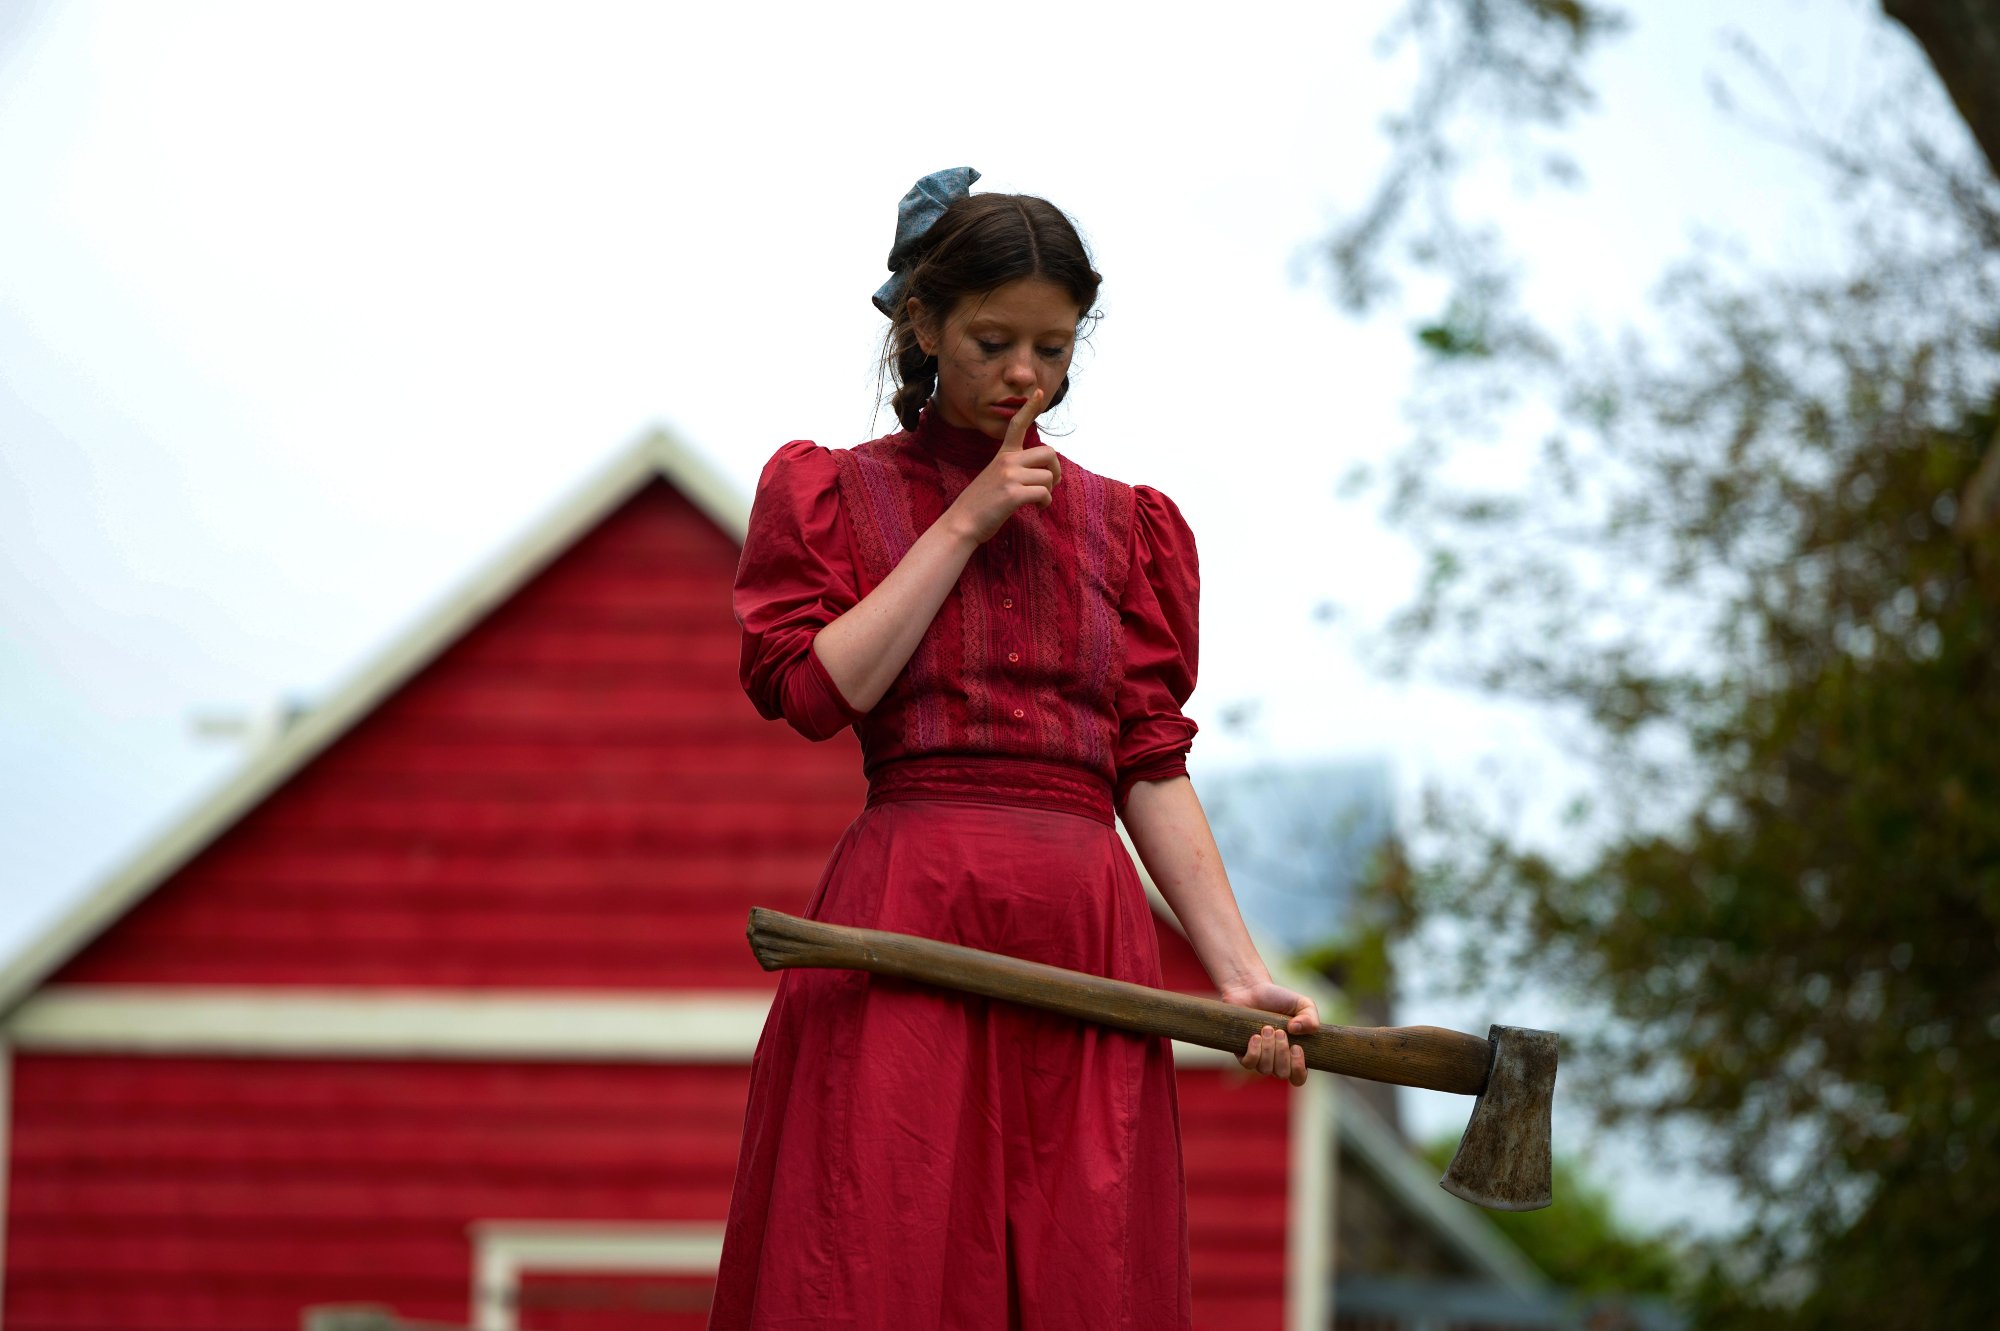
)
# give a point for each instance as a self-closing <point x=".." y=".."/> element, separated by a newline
<point x="1015" y="478"/>
<point x="1271" y="1051"/>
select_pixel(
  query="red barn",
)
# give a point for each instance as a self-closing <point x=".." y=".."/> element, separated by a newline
<point x="443" y="1002"/>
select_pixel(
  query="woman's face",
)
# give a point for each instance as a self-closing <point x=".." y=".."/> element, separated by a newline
<point x="993" y="350"/>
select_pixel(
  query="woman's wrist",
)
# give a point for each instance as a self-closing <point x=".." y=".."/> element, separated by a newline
<point x="1240" y="978"/>
<point x="959" y="529"/>
<point x="867" y="646"/>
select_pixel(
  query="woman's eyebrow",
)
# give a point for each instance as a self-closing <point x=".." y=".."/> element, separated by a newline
<point x="987" y="324"/>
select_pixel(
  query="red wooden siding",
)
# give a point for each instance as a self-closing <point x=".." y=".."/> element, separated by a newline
<point x="1235" y="1142"/>
<point x="225" y="1194"/>
<point x="576" y="794"/>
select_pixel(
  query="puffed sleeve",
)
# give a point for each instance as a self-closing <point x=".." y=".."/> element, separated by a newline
<point x="1161" y="613"/>
<point x="795" y="577"/>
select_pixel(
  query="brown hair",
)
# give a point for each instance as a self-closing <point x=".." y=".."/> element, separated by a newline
<point x="980" y="243"/>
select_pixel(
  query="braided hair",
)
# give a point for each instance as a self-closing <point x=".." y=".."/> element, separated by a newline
<point x="981" y="243"/>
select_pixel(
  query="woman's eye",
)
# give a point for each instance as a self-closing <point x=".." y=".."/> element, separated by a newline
<point x="990" y="347"/>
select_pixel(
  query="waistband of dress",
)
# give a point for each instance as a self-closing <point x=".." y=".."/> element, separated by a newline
<point x="987" y="779"/>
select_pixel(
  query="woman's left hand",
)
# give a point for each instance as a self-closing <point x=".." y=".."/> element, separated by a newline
<point x="1271" y="1051"/>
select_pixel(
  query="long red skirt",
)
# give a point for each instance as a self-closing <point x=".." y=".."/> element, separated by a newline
<point x="913" y="1159"/>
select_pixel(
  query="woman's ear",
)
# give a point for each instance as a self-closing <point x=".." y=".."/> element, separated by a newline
<point x="920" y="322"/>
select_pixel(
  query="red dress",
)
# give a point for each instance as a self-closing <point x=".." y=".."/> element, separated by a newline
<point x="913" y="1159"/>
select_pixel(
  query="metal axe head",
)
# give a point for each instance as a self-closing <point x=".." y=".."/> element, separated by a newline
<point x="1503" y="1159"/>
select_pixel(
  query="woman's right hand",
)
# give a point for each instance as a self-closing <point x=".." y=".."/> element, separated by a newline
<point x="1015" y="478"/>
<point x="865" y="648"/>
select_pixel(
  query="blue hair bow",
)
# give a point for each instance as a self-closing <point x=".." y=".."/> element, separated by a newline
<point x="920" y="208"/>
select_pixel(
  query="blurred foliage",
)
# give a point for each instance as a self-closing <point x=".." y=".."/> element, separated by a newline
<point x="1356" y="961"/>
<point x="1579" y="1243"/>
<point x="1752" y="572"/>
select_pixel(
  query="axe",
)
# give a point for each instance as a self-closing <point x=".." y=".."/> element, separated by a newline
<point x="1502" y="1161"/>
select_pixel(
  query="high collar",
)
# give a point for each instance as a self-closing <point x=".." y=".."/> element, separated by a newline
<point x="966" y="447"/>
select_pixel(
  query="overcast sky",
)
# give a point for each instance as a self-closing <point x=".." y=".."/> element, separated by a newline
<point x="307" y="309"/>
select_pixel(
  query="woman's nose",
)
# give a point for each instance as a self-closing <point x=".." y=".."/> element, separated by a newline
<point x="1021" y="370"/>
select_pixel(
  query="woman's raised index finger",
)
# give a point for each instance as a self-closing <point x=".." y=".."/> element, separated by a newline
<point x="1017" y="428"/>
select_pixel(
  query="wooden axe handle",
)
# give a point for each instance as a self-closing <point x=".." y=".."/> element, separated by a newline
<point x="1423" y="1056"/>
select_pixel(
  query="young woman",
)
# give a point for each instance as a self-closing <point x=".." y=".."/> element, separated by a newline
<point x="1013" y="637"/>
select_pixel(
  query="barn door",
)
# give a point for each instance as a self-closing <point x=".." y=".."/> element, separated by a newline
<point x="576" y="1276"/>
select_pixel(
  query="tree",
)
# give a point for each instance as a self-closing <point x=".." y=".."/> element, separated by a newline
<point x="1754" y="572"/>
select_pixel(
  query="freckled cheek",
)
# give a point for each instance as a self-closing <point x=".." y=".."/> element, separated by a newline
<point x="960" y="373"/>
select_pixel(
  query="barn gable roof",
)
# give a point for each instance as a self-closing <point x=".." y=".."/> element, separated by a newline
<point x="656" y="456"/>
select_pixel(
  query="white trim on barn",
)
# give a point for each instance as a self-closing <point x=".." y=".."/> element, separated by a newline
<point x="390" y="1023"/>
<point x="656" y="456"/>
<point x="286" y="1022"/>
<point x="1200" y="1056"/>
<point x="1309" y="1218"/>
<point x="503" y="1249"/>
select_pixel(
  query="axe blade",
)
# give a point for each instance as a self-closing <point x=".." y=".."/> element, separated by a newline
<point x="1503" y="1160"/>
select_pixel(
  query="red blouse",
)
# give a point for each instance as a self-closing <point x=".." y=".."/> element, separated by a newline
<point x="1069" y="641"/>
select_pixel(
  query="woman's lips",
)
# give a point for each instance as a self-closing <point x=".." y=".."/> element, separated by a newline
<point x="1010" y="406"/>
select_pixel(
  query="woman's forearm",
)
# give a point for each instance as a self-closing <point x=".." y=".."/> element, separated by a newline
<point x="1171" y="833"/>
<point x="867" y="647"/>
<point x="1172" y="836"/>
